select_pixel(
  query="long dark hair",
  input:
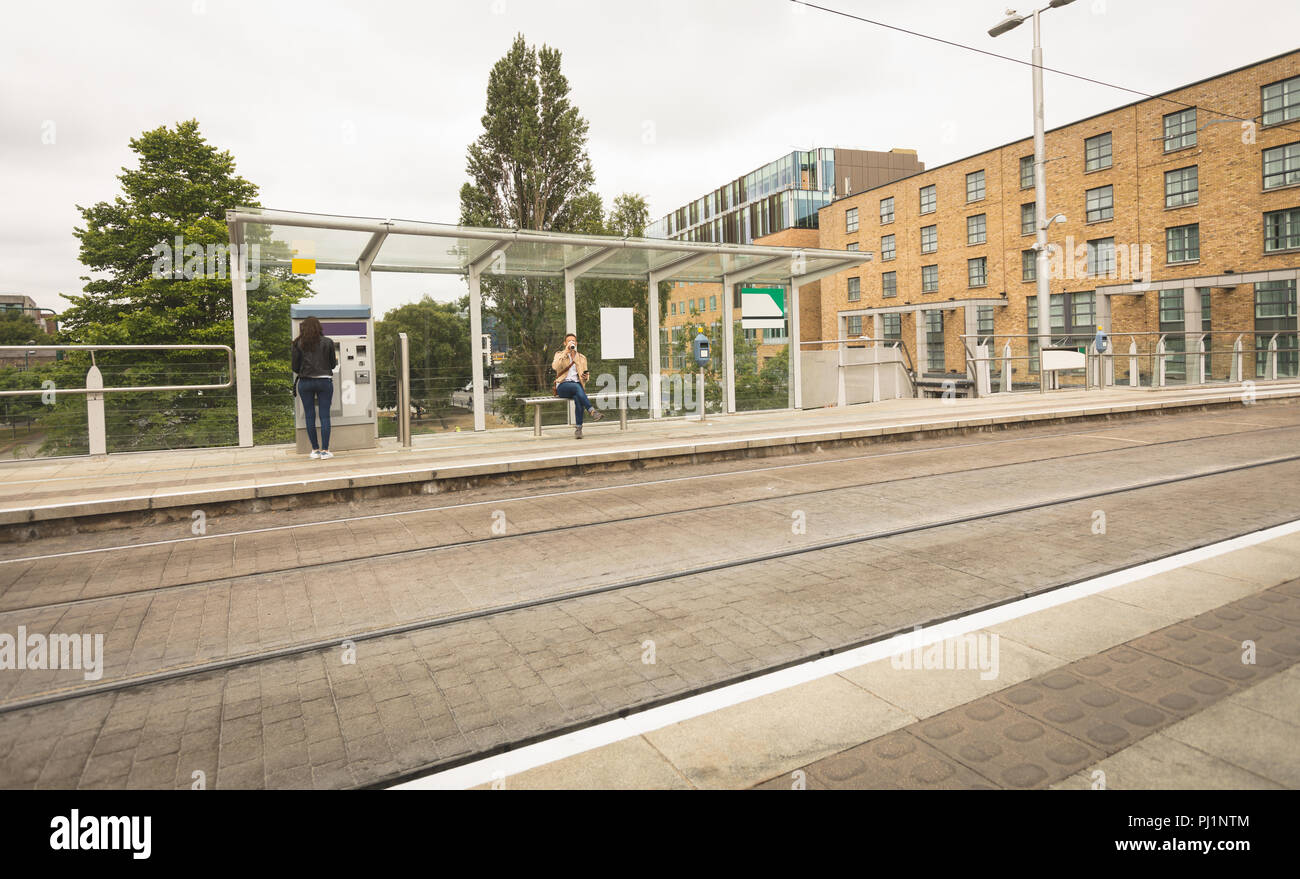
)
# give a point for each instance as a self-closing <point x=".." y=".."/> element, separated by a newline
<point x="309" y="335"/>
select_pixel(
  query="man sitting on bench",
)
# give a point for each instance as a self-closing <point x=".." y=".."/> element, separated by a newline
<point x="570" y="377"/>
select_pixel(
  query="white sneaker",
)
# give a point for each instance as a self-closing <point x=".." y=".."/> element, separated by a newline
<point x="326" y="454"/>
<point x="314" y="454"/>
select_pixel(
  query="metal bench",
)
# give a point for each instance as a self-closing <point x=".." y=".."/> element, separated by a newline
<point x="621" y="396"/>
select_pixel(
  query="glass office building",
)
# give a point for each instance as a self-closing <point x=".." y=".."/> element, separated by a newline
<point x="784" y="194"/>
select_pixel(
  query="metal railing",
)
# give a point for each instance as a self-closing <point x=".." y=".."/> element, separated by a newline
<point x="95" y="389"/>
<point x="230" y="369"/>
<point x="1188" y="349"/>
<point x="908" y="369"/>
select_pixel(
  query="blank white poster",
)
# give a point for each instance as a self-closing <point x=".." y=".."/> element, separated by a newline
<point x="616" y="334"/>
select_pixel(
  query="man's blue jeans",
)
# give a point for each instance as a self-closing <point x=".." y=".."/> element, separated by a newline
<point x="316" y="395"/>
<point x="573" y="391"/>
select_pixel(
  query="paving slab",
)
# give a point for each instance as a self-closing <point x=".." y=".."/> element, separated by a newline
<point x="49" y="489"/>
<point x="741" y="745"/>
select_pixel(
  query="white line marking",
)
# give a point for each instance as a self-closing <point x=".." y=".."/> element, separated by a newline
<point x="548" y="751"/>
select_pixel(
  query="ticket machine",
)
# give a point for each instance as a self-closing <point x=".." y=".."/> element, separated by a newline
<point x="353" y="424"/>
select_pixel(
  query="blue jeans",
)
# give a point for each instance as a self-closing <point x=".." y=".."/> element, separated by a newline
<point x="316" y="395"/>
<point x="573" y="391"/>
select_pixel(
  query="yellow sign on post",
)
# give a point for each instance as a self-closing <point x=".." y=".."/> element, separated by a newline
<point x="304" y="266"/>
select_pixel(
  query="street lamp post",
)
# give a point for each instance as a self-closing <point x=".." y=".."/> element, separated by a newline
<point x="1040" y="181"/>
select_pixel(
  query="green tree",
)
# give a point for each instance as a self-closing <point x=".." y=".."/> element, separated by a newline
<point x="182" y="187"/>
<point x="628" y="217"/>
<point x="529" y="169"/>
<point x="439" y="350"/>
<point x="17" y="328"/>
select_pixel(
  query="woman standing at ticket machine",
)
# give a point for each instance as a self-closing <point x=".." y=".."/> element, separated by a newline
<point x="314" y="362"/>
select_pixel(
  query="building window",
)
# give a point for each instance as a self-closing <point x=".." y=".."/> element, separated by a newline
<point x="888" y="284"/>
<point x="1171" y="310"/>
<point x="1180" y="129"/>
<point x="1099" y="204"/>
<point x="713" y="303"/>
<point x="1096" y="152"/>
<point x="1281" y="101"/>
<point x="1027" y="172"/>
<point x="1079" y="308"/>
<point x="855" y="325"/>
<point x="886" y="210"/>
<point x="1027" y="219"/>
<point x="1101" y="256"/>
<point x="934" y="340"/>
<point x="1183" y="243"/>
<point x="1282" y="166"/>
<point x="851" y="220"/>
<point x="886" y="247"/>
<point x="1028" y="265"/>
<point x="976" y="229"/>
<point x="929" y="239"/>
<point x="672" y="308"/>
<point x="984" y="324"/>
<point x="1181" y="187"/>
<point x="929" y="279"/>
<point x="855" y="289"/>
<point x="929" y="201"/>
<point x="853" y="246"/>
<point x="1083" y="312"/>
<point x="977" y="272"/>
<point x="975" y="186"/>
<point x="1282" y="230"/>
<point x="1275" y="313"/>
<point x="892" y="328"/>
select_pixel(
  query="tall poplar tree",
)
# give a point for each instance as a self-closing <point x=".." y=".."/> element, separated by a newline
<point x="529" y="169"/>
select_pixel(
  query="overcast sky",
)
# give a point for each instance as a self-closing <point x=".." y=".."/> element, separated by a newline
<point x="367" y="108"/>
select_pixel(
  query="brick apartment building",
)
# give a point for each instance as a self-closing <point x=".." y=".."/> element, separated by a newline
<point x="1205" y="179"/>
<point x="778" y="204"/>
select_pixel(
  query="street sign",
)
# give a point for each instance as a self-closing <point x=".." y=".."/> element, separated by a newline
<point x="762" y="308"/>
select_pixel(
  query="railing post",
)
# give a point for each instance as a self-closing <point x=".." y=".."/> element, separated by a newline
<point x="1134" y="376"/>
<point x="1236" y="374"/>
<point x="403" y="390"/>
<point x="1006" y="367"/>
<point x="841" y="396"/>
<point x="95" y="412"/>
<point x="1272" y="359"/>
<point x="1158" y="376"/>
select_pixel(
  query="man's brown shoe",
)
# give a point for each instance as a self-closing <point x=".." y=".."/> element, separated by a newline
<point x="595" y="414"/>
<point x="577" y="434"/>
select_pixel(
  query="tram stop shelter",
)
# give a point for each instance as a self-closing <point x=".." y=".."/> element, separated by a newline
<point x="366" y="245"/>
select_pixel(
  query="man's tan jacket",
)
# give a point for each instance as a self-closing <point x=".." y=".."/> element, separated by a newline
<point x="561" y="363"/>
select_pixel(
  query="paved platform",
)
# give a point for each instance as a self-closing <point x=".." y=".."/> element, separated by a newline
<point x="1140" y="686"/>
<point x="66" y="489"/>
<point x="364" y="643"/>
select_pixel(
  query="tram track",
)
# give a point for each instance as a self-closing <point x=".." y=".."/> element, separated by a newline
<point x="525" y="534"/>
<point x="247" y="659"/>
<point x="343" y="520"/>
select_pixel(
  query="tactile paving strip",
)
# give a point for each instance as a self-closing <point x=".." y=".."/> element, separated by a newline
<point x="1159" y="682"/>
<point x="1006" y="746"/>
<point x="1099" y="716"/>
<point x="1040" y="731"/>
<point x="895" y="761"/>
